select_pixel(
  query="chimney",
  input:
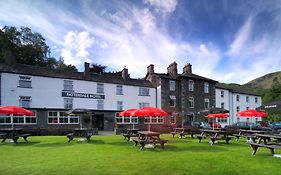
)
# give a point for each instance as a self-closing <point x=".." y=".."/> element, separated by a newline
<point x="86" y="70"/>
<point x="125" y="74"/>
<point x="187" y="69"/>
<point x="150" y="69"/>
<point x="9" y="58"/>
<point x="172" y="69"/>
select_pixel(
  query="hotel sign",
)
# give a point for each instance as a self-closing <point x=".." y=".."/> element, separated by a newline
<point x="82" y="95"/>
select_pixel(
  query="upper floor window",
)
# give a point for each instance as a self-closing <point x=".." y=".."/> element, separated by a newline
<point x="119" y="90"/>
<point x="143" y="91"/>
<point x="206" y="87"/>
<point x="191" y="85"/>
<point x="247" y="108"/>
<point x="100" y="104"/>
<point x="67" y="85"/>
<point x="206" y="103"/>
<point x="172" y="85"/>
<point x="247" y="99"/>
<point x="25" y="101"/>
<point x="222" y="94"/>
<point x="143" y="104"/>
<point x="68" y="103"/>
<point x="120" y="105"/>
<point x="222" y="105"/>
<point x="24" y="82"/>
<point x="237" y="97"/>
<point x="100" y="88"/>
<point x="237" y="108"/>
<point x="256" y="99"/>
<point x="191" y="102"/>
<point x="172" y="100"/>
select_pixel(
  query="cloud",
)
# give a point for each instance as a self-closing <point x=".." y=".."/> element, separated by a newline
<point x="166" y="6"/>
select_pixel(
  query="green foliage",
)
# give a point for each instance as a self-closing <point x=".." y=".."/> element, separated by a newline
<point x="98" y="68"/>
<point x="112" y="155"/>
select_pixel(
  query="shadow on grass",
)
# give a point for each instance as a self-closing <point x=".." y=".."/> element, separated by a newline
<point x="19" y="143"/>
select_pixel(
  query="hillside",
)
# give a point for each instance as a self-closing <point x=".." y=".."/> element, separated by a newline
<point x="263" y="82"/>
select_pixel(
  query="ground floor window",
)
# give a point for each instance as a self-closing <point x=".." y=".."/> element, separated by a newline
<point x="154" y="120"/>
<point x="55" y="117"/>
<point x="18" y="119"/>
<point x="222" y="120"/>
<point x="127" y="120"/>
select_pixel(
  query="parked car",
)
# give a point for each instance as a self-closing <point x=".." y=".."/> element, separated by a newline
<point x="248" y="125"/>
<point x="204" y="125"/>
<point x="215" y="125"/>
<point x="263" y="123"/>
<point x="275" y="126"/>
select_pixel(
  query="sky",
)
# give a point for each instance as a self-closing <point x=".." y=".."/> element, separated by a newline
<point x="231" y="41"/>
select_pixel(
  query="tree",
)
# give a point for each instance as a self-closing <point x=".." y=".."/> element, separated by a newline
<point x="275" y="89"/>
<point x="62" y="66"/>
<point x="98" y="68"/>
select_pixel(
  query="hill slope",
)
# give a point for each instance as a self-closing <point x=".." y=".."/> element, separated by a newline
<point x="263" y="82"/>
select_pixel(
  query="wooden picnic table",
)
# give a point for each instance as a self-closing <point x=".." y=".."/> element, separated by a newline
<point x="249" y="134"/>
<point x="149" y="137"/>
<point x="267" y="143"/>
<point x="14" y="134"/>
<point x="214" y="135"/>
<point x="133" y="132"/>
<point x="80" y="133"/>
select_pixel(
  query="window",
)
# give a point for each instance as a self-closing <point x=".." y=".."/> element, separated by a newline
<point x="237" y="108"/>
<point x="248" y="119"/>
<point x="119" y="90"/>
<point x="247" y="99"/>
<point x="237" y="97"/>
<point x="247" y="108"/>
<point x="154" y="120"/>
<point x="256" y="99"/>
<point x="67" y="85"/>
<point x="222" y="120"/>
<point x="173" y="119"/>
<point x="56" y="117"/>
<point x="142" y="105"/>
<point x="100" y="104"/>
<point x="206" y="103"/>
<point x="100" y="88"/>
<point x="191" y="85"/>
<point x="18" y="119"/>
<point x="143" y="91"/>
<point x="191" y="102"/>
<point x="25" y="101"/>
<point x="206" y="87"/>
<point x="172" y="101"/>
<point x="126" y="119"/>
<point x="222" y="105"/>
<point x="238" y="119"/>
<point x="172" y="85"/>
<point x="24" y="82"/>
<point x="222" y="94"/>
<point x="68" y="103"/>
<point x="120" y="105"/>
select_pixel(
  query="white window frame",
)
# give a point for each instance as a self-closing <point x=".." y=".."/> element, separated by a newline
<point x="172" y="85"/>
<point x="222" y="94"/>
<point x="120" y="105"/>
<point x="206" y="101"/>
<point x="67" y="85"/>
<point x="172" y="101"/>
<point x="100" y="88"/>
<point x="143" y="91"/>
<point x="119" y="90"/>
<point x="25" y="101"/>
<point x="222" y="105"/>
<point x="247" y="99"/>
<point x="256" y="99"/>
<point x="237" y="97"/>
<point x="143" y="104"/>
<point x="9" y="119"/>
<point x="237" y="108"/>
<point x="126" y="119"/>
<point x="190" y="85"/>
<point x="154" y="120"/>
<point x="206" y="87"/>
<point x="24" y="82"/>
<point x="191" y="102"/>
<point x="62" y="115"/>
<point x="68" y="103"/>
<point x="100" y="104"/>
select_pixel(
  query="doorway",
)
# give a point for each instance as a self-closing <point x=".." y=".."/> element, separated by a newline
<point x="98" y="121"/>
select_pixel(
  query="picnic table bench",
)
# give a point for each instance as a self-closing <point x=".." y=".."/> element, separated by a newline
<point x="131" y="133"/>
<point x="190" y="130"/>
<point x="80" y="133"/>
<point x="14" y="134"/>
<point x="214" y="135"/>
<point x="269" y="145"/>
<point x="148" y="137"/>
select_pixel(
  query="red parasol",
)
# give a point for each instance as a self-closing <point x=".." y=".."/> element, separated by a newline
<point x="127" y="112"/>
<point x="217" y="115"/>
<point x="251" y="113"/>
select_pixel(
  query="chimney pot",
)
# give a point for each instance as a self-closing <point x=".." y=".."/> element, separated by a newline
<point x="187" y="69"/>
<point x="125" y="74"/>
<point x="150" y="69"/>
<point x="172" y="69"/>
<point x="86" y="70"/>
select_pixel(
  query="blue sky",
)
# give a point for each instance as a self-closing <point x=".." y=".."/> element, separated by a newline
<point x="226" y="40"/>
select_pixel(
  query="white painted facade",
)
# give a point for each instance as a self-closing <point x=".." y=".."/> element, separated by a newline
<point x="230" y="102"/>
<point x="46" y="92"/>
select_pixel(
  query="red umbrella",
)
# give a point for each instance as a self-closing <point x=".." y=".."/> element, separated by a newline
<point x="251" y="113"/>
<point x="15" y="110"/>
<point x="217" y="115"/>
<point x="127" y="112"/>
<point x="150" y="111"/>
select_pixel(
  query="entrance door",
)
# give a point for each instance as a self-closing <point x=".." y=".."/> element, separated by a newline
<point x="98" y="121"/>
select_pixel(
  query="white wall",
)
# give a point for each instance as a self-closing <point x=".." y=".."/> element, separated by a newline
<point x="46" y="93"/>
<point x="230" y="103"/>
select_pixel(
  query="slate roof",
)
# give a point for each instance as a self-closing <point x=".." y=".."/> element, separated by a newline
<point x="47" y="72"/>
<point x="236" y="90"/>
<point x="190" y="76"/>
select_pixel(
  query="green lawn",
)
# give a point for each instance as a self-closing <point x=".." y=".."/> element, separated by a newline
<point x="113" y="155"/>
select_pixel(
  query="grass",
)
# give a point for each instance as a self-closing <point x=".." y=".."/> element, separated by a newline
<point x="113" y="155"/>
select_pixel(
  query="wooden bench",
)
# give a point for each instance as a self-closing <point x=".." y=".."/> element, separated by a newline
<point x="128" y="136"/>
<point x="213" y="138"/>
<point x="15" y="137"/>
<point x="71" y="136"/>
<point x="269" y="145"/>
<point x="143" y="142"/>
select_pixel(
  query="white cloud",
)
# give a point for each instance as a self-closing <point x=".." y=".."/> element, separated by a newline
<point x="167" y="6"/>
